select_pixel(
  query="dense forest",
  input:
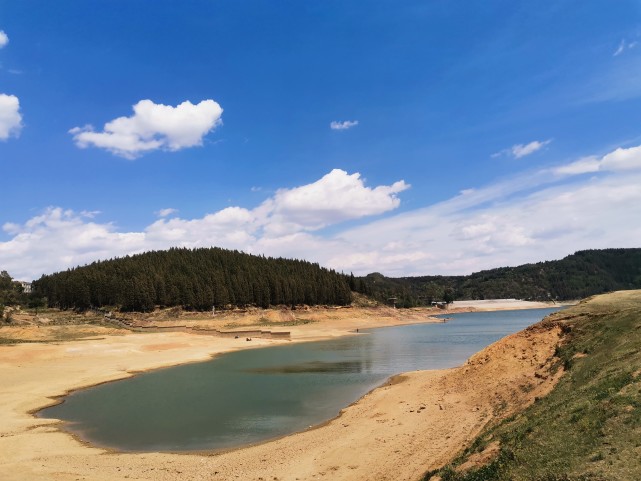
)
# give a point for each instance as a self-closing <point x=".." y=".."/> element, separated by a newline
<point x="579" y="275"/>
<point x="12" y="294"/>
<point x="196" y="279"/>
<point x="10" y="290"/>
<point x="199" y="279"/>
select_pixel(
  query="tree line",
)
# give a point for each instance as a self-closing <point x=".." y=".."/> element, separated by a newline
<point x="196" y="279"/>
<point x="577" y="276"/>
<point x="12" y="294"/>
<point x="199" y="279"/>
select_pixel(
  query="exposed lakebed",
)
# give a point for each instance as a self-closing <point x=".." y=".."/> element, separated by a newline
<point x="252" y="395"/>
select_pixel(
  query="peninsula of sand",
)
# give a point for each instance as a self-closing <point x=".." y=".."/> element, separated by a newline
<point x="415" y="422"/>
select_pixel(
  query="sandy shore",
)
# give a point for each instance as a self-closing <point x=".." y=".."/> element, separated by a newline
<point x="396" y="432"/>
<point x="499" y="305"/>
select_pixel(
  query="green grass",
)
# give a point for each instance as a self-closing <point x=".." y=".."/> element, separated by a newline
<point x="589" y="427"/>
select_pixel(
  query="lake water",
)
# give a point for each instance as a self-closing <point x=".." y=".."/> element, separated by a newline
<point x="253" y="395"/>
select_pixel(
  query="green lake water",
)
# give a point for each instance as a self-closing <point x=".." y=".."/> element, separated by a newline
<point x="256" y="394"/>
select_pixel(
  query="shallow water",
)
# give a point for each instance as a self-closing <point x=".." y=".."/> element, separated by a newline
<point x="252" y="395"/>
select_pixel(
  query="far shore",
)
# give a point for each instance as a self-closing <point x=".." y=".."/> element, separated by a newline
<point x="385" y="435"/>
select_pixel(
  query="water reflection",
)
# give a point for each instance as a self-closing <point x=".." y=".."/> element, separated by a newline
<point x="312" y="366"/>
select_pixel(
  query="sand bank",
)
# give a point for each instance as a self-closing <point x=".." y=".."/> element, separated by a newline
<point x="396" y="432"/>
<point x="500" y="304"/>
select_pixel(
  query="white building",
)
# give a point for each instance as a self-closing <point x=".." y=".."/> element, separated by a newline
<point x="26" y="287"/>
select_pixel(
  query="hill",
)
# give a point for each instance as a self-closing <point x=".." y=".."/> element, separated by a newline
<point x="577" y="276"/>
<point x="195" y="279"/>
<point x="587" y="428"/>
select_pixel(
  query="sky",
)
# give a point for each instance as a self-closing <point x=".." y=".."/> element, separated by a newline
<point x="407" y="138"/>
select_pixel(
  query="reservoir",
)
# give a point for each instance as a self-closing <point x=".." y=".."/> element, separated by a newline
<point x="252" y="395"/>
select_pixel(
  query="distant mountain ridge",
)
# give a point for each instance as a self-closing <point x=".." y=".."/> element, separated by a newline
<point x="576" y="276"/>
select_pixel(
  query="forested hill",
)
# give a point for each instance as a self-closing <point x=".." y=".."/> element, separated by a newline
<point x="201" y="278"/>
<point x="195" y="279"/>
<point x="579" y="275"/>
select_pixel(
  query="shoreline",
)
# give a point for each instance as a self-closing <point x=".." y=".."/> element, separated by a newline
<point x="432" y="319"/>
<point x="37" y="433"/>
<point x="59" y="399"/>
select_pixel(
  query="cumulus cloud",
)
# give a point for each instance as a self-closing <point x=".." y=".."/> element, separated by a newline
<point x="336" y="197"/>
<point x="57" y="239"/>
<point x="232" y="227"/>
<point x="622" y="159"/>
<point x="521" y="150"/>
<point x="153" y="127"/>
<point x="4" y="39"/>
<point x="538" y="215"/>
<point x="10" y="117"/>
<point x="343" y="125"/>
<point x="280" y="226"/>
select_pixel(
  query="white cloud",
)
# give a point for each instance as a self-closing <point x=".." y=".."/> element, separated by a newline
<point x="490" y="229"/>
<point x="619" y="49"/>
<point x="232" y="227"/>
<point x="521" y="150"/>
<point x="623" y="46"/>
<point x="581" y="166"/>
<point x="616" y="161"/>
<point x="59" y="238"/>
<point x="4" y="39"/>
<point x="539" y="215"/>
<point x="622" y="159"/>
<point x="166" y="212"/>
<point x="153" y="127"/>
<point x="336" y="197"/>
<point x="344" y="125"/>
<point x="548" y="224"/>
<point x="10" y="118"/>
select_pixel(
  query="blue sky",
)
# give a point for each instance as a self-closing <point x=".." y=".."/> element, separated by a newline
<point x="465" y="136"/>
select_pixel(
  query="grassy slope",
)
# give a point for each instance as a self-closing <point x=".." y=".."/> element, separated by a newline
<point x="589" y="426"/>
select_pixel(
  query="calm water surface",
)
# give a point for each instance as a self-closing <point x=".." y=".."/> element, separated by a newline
<point x="257" y="394"/>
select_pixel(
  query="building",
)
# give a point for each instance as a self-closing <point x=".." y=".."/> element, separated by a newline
<point x="26" y="286"/>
